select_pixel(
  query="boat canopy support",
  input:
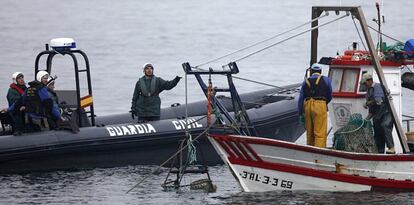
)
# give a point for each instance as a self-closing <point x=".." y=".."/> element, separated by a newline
<point x="357" y="13"/>
<point x="50" y="54"/>
<point x="240" y="119"/>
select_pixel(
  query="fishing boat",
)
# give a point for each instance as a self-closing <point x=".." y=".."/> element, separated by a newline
<point x="261" y="164"/>
<point x="119" y="140"/>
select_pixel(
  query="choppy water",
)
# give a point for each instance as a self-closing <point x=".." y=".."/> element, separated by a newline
<point x="120" y="36"/>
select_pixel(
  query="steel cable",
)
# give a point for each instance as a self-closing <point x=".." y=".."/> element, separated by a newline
<point x="284" y="40"/>
<point x="260" y="42"/>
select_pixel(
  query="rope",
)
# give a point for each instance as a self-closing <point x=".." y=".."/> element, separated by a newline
<point x="248" y="80"/>
<point x="169" y="159"/>
<point x="296" y="35"/>
<point x="260" y="42"/>
<point x="209" y="92"/>
<point x="192" y="152"/>
<point x="359" y="34"/>
<point x="385" y="34"/>
<point x="260" y="83"/>
<point x="405" y="66"/>
<point x="351" y="131"/>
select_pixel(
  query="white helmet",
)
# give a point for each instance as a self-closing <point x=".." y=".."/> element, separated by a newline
<point x="15" y="75"/>
<point x="51" y="80"/>
<point x="147" y="65"/>
<point x="40" y="74"/>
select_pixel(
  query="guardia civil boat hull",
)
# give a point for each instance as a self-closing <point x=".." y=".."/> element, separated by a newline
<point x="117" y="140"/>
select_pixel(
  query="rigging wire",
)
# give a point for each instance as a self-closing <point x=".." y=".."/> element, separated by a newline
<point x="338" y="31"/>
<point x="359" y="34"/>
<point x="382" y="33"/>
<point x="192" y="152"/>
<point x="284" y="40"/>
<point x="260" y="42"/>
<point x="260" y="83"/>
<point x="248" y="80"/>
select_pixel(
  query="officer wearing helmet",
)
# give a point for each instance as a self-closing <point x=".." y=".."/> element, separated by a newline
<point x="146" y="103"/>
<point x="315" y="94"/>
<point x="39" y="105"/>
<point x="14" y="98"/>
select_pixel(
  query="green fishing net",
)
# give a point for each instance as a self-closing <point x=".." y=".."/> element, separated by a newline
<point x="356" y="136"/>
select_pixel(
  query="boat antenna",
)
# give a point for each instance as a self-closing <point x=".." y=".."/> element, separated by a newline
<point x="378" y="22"/>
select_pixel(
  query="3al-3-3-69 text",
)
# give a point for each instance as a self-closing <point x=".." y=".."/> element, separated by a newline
<point x="267" y="180"/>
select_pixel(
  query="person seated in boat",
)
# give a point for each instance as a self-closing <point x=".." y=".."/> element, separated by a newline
<point x="380" y="114"/>
<point x="66" y="122"/>
<point x="315" y="94"/>
<point x="146" y="103"/>
<point x="40" y="108"/>
<point x="52" y="94"/>
<point x="14" y="99"/>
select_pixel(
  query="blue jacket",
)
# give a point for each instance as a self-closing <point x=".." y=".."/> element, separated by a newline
<point x="45" y="100"/>
<point x="327" y="95"/>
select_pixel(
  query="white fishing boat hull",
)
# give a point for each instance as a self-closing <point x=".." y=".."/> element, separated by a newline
<point x="265" y="165"/>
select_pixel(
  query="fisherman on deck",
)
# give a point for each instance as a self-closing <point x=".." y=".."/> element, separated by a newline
<point x="146" y="104"/>
<point x="380" y="114"/>
<point x="315" y="94"/>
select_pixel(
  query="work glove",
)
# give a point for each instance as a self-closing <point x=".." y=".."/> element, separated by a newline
<point x="302" y="119"/>
<point x="177" y="78"/>
<point x="133" y="113"/>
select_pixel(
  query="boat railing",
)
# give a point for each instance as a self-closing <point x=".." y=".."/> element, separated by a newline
<point x="407" y="119"/>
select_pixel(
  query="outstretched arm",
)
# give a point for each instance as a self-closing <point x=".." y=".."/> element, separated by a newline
<point x="168" y="85"/>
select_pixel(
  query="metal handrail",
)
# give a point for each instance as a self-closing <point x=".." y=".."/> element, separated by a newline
<point x="407" y="121"/>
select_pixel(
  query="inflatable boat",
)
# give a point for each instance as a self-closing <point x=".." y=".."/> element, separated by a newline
<point x="118" y="140"/>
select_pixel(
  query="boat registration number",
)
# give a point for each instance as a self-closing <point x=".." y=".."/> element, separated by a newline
<point x="267" y="180"/>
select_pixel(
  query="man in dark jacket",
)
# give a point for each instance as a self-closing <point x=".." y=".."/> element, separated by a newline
<point x="14" y="98"/>
<point x="146" y="103"/>
<point x="380" y="113"/>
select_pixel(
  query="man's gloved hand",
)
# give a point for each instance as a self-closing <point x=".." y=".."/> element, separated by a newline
<point x="302" y="119"/>
<point x="177" y="78"/>
<point x="133" y="113"/>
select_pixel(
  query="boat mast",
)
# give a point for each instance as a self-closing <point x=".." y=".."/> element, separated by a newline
<point x="358" y="14"/>
<point x="378" y="21"/>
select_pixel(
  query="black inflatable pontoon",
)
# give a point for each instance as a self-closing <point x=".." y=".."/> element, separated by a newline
<point x="117" y="140"/>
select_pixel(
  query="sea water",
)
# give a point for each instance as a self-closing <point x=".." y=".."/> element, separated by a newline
<point x="120" y="36"/>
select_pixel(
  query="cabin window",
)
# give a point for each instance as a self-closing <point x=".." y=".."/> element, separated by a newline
<point x="349" y="81"/>
<point x="362" y="87"/>
<point x="336" y="77"/>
